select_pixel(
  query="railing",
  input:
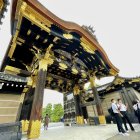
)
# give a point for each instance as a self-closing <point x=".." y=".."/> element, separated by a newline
<point x="10" y="131"/>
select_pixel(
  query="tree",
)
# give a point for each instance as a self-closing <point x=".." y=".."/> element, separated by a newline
<point x="57" y="112"/>
<point x="47" y="110"/>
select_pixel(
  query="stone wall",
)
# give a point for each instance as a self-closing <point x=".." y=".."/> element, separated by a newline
<point x="106" y="102"/>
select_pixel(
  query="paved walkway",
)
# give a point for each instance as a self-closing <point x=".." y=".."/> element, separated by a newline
<point x="57" y="131"/>
<point x="132" y="136"/>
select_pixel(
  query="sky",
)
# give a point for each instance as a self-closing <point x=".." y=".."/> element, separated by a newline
<point x="117" y="26"/>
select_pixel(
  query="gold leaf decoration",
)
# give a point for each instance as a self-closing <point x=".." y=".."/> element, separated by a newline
<point x="68" y="36"/>
<point x="83" y="75"/>
<point x="62" y="66"/>
<point x="87" y="48"/>
<point x="74" y="71"/>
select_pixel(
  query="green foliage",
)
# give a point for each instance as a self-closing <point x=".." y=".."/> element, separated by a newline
<point x="48" y="110"/>
<point x="55" y="113"/>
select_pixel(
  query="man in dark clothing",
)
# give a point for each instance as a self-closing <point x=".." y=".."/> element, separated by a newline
<point x="117" y="116"/>
<point x="123" y="110"/>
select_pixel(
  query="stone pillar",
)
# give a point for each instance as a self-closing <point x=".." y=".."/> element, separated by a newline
<point x="79" y="114"/>
<point x="101" y="116"/>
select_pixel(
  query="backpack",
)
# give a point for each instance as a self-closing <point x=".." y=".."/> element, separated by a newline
<point x="110" y="110"/>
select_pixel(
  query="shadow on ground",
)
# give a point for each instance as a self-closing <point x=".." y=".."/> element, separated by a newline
<point x="133" y="135"/>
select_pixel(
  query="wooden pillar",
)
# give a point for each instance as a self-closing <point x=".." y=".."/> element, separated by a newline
<point x="22" y="112"/>
<point x="79" y="114"/>
<point x="24" y="122"/>
<point x="35" y="118"/>
<point x="26" y="109"/>
<point x="36" y="112"/>
<point x="101" y="116"/>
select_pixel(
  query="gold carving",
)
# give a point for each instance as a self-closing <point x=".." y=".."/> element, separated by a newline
<point x="68" y="36"/>
<point x="63" y="66"/>
<point x="37" y="19"/>
<point x="34" y="78"/>
<point x="19" y="12"/>
<point x="12" y="69"/>
<point x="49" y="79"/>
<point x="136" y="80"/>
<point x="30" y="81"/>
<point x="24" y="10"/>
<point x="87" y="46"/>
<point x="45" y="40"/>
<point x="25" y="89"/>
<point x="113" y="72"/>
<point x="92" y="81"/>
<point x="74" y="71"/>
<point x="43" y="64"/>
<point x="19" y="43"/>
<point x="21" y="40"/>
<point x="119" y="81"/>
<point x="55" y="39"/>
<point x="13" y="46"/>
<point x="83" y="75"/>
<point x="76" y="90"/>
<point x="34" y="129"/>
<point x="38" y="16"/>
<point x="47" y="60"/>
<point x="48" y="51"/>
<point x="37" y="37"/>
<point x="60" y="82"/>
<point x="29" y="32"/>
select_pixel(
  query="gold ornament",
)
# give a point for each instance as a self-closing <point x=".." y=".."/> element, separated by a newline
<point x="102" y="119"/>
<point x="25" y="125"/>
<point x="63" y="66"/>
<point x="80" y="120"/>
<point x="74" y="71"/>
<point x="76" y="90"/>
<point x="34" y="129"/>
<point x="83" y="75"/>
<point x="68" y="36"/>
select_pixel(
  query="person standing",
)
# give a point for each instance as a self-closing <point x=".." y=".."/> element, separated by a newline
<point x="117" y="116"/>
<point x="123" y="110"/>
<point x="46" y="122"/>
<point x="136" y="107"/>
